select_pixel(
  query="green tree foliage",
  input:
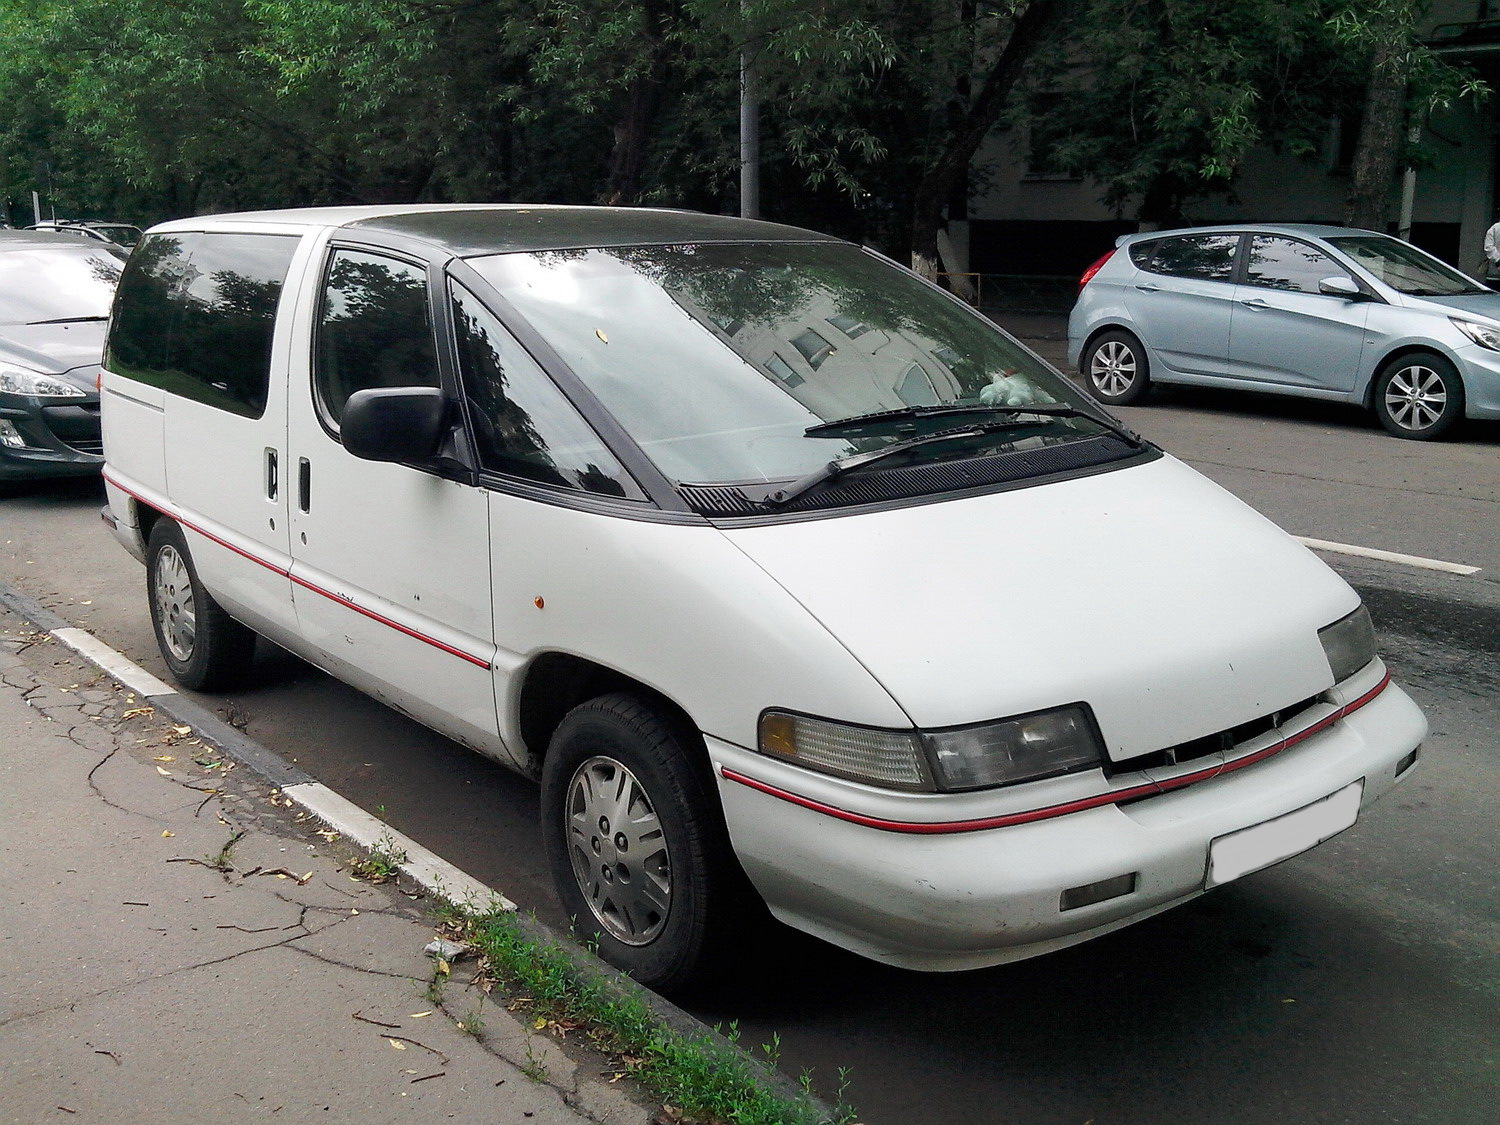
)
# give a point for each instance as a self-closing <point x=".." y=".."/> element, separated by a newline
<point x="873" y="109"/>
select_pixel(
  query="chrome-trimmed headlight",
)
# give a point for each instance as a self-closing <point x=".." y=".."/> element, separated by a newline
<point x="1485" y="335"/>
<point x="20" y="381"/>
<point x="1349" y="643"/>
<point x="982" y="756"/>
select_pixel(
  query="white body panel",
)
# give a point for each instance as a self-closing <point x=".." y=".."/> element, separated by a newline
<point x="1150" y="593"/>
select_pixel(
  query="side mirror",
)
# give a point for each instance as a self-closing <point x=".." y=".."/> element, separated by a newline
<point x="1341" y="287"/>
<point x="394" y="423"/>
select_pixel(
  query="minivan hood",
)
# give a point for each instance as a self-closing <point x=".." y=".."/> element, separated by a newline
<point x="1476" y="304"/>
<point x="1148" y="592"/>
<point x="56" y="349"/>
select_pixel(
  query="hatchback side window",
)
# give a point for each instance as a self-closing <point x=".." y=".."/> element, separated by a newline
<point x="1284" y="263"/>
<point x="523" y="425"/>
<point x="373" y="329"/>
<point x="1209" y="257"/>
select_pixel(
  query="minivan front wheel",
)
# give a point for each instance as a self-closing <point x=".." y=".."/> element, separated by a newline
<point x="637" y="849"/>
<point x="1117" y="370"/>
<point x="1419" y="395"/>
<point x="205" y="649"/>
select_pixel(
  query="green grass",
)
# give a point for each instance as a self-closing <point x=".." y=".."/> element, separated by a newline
<point x="705" y="1078"/>
<point x="383" y="863"/>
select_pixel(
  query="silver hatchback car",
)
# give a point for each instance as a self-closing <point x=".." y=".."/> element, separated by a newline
<point x="1317" y="311"/>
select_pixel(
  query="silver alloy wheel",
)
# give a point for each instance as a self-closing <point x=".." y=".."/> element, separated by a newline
<point x="619" y="851"/>
<point x="1416" y="397"/>
<point x="175" y="607"/>
<point x="1113" y="368"/>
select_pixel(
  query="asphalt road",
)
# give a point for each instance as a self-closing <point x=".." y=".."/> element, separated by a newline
<point x="1356" y="983"/>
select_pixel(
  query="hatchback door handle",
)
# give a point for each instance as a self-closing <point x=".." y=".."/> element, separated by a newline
<point x="1255" y="303"/>
<point x="1149" y="288"/>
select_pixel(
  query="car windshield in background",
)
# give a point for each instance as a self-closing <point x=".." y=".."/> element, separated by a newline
<point x="1405" y="268"/>
<point x="39" y="284"/>
<point x="719" y="359"/>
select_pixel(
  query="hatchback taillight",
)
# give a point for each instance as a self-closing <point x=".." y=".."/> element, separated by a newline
<point x="1088" y="274"/>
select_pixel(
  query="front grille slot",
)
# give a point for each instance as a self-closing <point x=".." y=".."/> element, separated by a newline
<point x="1209" y="744"/>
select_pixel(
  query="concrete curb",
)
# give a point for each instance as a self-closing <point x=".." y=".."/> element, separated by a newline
<point x="429" y="870"/>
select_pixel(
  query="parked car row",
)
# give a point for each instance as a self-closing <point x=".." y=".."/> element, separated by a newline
<point x="1316" y="311"/>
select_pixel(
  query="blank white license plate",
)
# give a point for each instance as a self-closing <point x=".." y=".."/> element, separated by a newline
<point x="1261" y="845"/>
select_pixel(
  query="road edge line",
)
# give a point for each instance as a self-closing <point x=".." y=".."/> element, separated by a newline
<point x="1387" y="556"/>
<point x="444" y="880"/>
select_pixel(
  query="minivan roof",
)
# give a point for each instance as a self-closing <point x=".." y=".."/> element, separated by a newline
<point x="467" y="229"/>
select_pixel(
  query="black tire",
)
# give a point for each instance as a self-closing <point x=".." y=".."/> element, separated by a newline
<point x="1116" y="369"/>
<point x="1419" y="396"/>
<point x="668" y="907"/>
<point x="205" y="649"/>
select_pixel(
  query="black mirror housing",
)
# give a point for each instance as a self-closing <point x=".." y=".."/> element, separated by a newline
<point x="394" y="423"/>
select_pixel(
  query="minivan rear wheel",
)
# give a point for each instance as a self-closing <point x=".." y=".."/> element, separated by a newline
<point x="637" y="848"/>
<point x="1116" y="369"/>
<point x="1419" y="395"/>
<point x="205" y="649"/>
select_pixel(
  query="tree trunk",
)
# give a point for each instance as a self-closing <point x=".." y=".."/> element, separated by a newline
<point x="1036" y="27"/>
<point x="1380" y="139"/>
<point x="632" y="132"/>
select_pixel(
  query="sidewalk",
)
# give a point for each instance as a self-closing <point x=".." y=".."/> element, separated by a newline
<point x="174" y="948"/>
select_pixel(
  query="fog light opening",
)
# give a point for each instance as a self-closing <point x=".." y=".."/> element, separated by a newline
<point x="1102" y="891"/>
<point x="1407" y="762"/>
<point x="11" y="437"/>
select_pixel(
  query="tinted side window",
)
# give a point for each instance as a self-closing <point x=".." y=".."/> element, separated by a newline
<point x="1140" y="252"/>
<point x="523" y="425"/>
<point x="1206" y="256"/>
<point x="373" y="329"/>
<point x="1283" y="263"/>
<point x="195" y="315"/>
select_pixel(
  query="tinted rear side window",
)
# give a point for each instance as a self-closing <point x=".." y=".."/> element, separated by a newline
<point x="1140" y="252"/>
<point x="1209" y="257"/>
<point x="195" y="314"/>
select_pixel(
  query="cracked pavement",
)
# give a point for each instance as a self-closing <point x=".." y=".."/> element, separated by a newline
<point x="152" y="972"/>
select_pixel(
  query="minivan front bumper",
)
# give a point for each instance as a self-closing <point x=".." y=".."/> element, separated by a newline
<point x="967" y="899"/>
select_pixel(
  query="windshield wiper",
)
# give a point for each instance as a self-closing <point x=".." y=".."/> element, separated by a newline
<point x="69" y="320"/>
<point x="908" y="413"/>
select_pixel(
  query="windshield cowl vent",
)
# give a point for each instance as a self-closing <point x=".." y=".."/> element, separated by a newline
<point x="874" y="486"/>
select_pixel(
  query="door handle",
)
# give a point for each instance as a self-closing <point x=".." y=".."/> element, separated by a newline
<point x="1255" y="303"/>
<point x="304" y="484"/>
<point x="273" y="483"/>
<point x="1149" y="288"/>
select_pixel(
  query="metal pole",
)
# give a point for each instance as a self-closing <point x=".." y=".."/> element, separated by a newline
<point x="1408" y="190"/>
<point x="36" y="208"/>
<point x="749" y="135"/>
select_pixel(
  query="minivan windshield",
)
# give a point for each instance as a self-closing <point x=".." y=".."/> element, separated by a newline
<point x="41" y="284"/>
<point x="1405" y="268"/>
<point x="727" y="362"/>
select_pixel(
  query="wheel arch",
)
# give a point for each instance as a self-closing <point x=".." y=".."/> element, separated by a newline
<point x="553" y="683"/>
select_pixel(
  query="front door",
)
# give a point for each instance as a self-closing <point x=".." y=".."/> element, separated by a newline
<point x="391" y="569"/>
<point x="1284" y="330"/>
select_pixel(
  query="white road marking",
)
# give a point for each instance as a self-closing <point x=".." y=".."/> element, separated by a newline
<point x="126" y="671"/>
<point x="426" y="867"/>
<point x="1387" y="556"/>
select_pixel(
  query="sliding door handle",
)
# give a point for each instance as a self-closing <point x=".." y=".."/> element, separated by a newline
<point x="273" y="482"/>
<point x="304" y="484"/>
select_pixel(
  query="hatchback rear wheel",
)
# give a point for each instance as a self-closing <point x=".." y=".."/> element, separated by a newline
<point x="1116" y="368"/>
<point x="1419" y="396"/>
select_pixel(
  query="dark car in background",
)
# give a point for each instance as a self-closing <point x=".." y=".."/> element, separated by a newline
<point x="122" y="234"/>
<point x="55" y="294"/>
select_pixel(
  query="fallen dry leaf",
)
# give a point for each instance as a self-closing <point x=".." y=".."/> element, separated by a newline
<point x="168" y="834"/>
<point x="600" y="333"/>
<point x="164" y="773"/>
<point x="164" y="758"/>
<point x="396" y="1043"/>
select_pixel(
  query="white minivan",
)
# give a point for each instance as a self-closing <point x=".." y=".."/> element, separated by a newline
<point x="793" y="579"/>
